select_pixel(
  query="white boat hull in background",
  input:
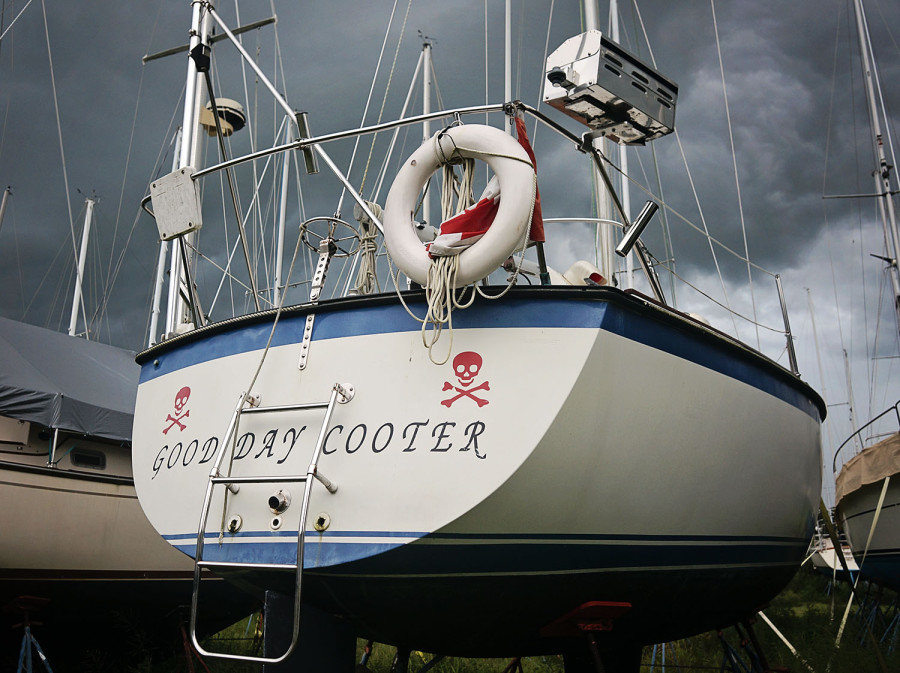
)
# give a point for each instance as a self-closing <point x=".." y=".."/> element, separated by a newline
<point x="860" y="484"/>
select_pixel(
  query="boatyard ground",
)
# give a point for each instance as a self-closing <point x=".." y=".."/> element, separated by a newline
<point x="806" y="613"/>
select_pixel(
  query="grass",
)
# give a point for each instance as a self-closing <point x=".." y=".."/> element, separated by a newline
<point x="804" y="612"/>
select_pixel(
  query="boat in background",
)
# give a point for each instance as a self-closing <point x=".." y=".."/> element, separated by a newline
<point x="867" y="482"/>
<point x="73" y="531"/>
<point x="867" y="492"/>
<point x="824" y="558"/>
<point x="561" y="459"/>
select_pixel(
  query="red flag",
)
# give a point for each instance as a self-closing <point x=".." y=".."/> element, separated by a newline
<point x="463" y="230"/>
<point x="537" y="219"/>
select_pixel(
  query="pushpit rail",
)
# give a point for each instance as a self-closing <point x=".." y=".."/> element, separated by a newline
<point x="340" y="394"/>
<point x="858" y="434"/>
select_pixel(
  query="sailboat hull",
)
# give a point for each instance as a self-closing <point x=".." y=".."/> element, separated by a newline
<point x="604" y="450"/>
<point x="81" y="543"/>
<point x="882" y="553"/>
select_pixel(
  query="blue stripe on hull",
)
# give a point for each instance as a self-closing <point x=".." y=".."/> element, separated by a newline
<point x="641" y="327"/>
<point x="508" y="555"/>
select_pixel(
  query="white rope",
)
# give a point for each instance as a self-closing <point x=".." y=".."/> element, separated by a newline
<point x="785" y="640"/>
<point x="440" y="296"/>
<point x="441" y="299"/>
<point x="737" y="182"/>
<point x="366" y="278"/>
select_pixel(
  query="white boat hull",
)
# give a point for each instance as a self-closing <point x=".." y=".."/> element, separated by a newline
<point x="610" y="459"/>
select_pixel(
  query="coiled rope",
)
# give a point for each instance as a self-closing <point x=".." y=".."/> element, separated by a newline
<point x="441" y="294"/>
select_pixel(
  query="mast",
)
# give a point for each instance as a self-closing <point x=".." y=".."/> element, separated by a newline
<point x="507" y="58"/>
<point x="282" y="218"/>
<point x="605" y="246"/>
<point x="79" y="271"/>
<point x="882" y="172"/>
<point x="623" y="153"/>
<point x="161" y="261"/>
<point x="426" y="125"/>
<point x="177" y="313"/>
<point x="850" y="401"/>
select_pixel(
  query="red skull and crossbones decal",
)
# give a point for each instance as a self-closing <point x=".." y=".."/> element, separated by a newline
<point x="181" y="411"/>
<point x="466" y="366"/>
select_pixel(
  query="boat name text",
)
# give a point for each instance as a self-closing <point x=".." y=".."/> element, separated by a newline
<point x="278" y="443"/>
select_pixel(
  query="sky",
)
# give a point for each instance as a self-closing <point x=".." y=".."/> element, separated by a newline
<point x="798" y="124"/>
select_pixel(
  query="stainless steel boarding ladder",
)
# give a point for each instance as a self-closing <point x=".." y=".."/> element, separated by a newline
<point x="339" y="394"/>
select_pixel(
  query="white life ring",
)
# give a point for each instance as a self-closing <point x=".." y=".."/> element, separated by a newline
<point x="514" y="171"/>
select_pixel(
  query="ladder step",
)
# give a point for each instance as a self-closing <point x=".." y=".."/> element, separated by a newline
<point x="243" y="566"/>
<point x="268" y="479"/>
<point x="284" y="407"/>
<point x="340" y="394"/>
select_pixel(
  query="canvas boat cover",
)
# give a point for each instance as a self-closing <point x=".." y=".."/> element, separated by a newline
<point x="66" y="382"/>
<point x="870" y="466"/>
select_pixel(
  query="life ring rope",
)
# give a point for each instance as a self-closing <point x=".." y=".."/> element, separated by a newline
<point x="473" y="153"/>
<point x="446" y="278"/>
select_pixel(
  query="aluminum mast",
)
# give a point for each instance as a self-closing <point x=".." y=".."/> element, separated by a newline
<point x="882" y="171"/>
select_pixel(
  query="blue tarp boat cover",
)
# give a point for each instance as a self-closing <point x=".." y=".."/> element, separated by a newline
<point x="66" y="382"/>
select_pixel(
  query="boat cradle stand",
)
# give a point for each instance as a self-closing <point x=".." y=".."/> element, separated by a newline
<point x="584" y="623"/>
<point x="26" y="606"/>
<point x="580" y="626"/>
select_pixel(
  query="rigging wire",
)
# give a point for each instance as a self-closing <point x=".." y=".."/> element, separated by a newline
<point x="13" y="22"/>
<point x="826" y="229"/>
<point x="733" y="312"/>
<point x="869" y="361"/>
<point x="690" y="177"/>
<point x="44" y="278"/>
<point x="253" y="129"/>
<point x="59" y="131"/>
<point x="386" y="89"/>
<point x="382" y="173"/>
<point x="666" y="229"/>
<point x="369" y="102"/>
<point x="704" y="232"/>
<point x="113" y="268"/>
<point x="540" y="89"/>
<point x="737" y="181"/>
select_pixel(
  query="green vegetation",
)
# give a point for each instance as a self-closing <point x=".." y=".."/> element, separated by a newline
<point x="805" y="612"/>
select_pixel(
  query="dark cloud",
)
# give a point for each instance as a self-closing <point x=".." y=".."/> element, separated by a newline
<point x="792" y="76"/>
